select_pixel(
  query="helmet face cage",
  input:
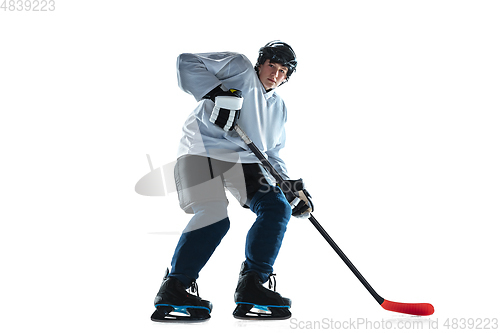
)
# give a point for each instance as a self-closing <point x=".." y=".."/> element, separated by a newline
<point x="278" y="52"/>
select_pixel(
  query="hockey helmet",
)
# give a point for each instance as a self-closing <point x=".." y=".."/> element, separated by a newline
<point x="278" y="52"/>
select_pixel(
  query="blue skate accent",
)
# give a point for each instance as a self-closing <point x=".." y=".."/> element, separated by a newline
<point x="183" y="308"/>
<point x="264" y="307"/>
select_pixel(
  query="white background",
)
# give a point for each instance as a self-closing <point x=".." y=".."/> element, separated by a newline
<point x="393" y="123"/>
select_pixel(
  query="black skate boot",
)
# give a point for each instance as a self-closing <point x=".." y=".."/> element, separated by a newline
<point x="174" y="303"/>
<point x="254" y="301"/>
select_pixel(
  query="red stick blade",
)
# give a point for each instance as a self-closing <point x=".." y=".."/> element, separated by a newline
<point x="417" y="309"/>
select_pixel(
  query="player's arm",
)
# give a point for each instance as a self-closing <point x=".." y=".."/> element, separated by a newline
<point x="295" y="191"/>
<point x="197" y="72"/>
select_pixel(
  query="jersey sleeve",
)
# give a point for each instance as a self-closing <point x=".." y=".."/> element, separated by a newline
<point x="197" y="73"/>
<point x="275" y="159"/>
<point x="274" y="153"/>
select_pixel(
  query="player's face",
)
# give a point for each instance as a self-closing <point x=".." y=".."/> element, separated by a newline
<point x="272" y="74"/>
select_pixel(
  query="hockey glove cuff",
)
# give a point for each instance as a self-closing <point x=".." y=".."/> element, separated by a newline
<point x="298" y="197"/>
<point x="227" y="108"/>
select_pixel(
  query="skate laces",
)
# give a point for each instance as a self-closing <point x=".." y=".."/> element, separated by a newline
<point x="194" y="288"/>
<point x="271" y="284"/>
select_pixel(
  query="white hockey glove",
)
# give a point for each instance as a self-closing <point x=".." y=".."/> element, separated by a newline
<point x="298" y="197"/>
<point x="227" y="107"/>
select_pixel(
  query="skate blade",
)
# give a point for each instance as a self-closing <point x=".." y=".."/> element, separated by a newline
<point x="180" y="314"/>
<point x="249" y="311"/>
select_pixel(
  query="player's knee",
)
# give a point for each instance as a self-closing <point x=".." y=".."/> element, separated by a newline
<point x="282" y="206"/>
<point x="207" y="214"/>
<point x="272" y="202"/>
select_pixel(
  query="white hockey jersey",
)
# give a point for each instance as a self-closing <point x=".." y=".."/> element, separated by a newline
<point x="263" y="114"/>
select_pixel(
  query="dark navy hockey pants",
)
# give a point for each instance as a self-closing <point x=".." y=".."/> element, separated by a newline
<point x="263" y="241"/>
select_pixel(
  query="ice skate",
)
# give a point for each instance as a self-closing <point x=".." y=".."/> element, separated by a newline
<point x="174" y="303"/>
<point x="254" y="301"/>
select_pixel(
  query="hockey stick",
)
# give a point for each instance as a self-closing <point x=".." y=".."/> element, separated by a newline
<point x="418" y="309"/>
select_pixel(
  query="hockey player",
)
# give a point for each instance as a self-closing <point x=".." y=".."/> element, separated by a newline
<point x="213" y="158"/>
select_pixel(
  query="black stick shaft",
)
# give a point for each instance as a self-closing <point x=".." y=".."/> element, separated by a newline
<point x="312" y="219"/>
<point x="346" y="260"/>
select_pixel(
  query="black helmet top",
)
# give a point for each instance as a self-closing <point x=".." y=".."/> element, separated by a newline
<point x="278" y="52"/>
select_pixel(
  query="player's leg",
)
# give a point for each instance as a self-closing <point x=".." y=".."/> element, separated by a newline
<point x="201" y="192"/>
<point x="263" y="243"/>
